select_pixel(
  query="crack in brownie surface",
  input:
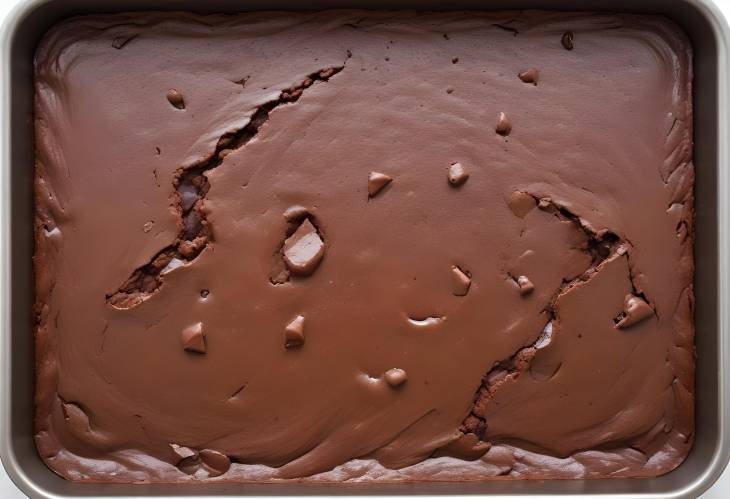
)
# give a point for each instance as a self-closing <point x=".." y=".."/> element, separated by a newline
<point x="191" y="187"/>
<point x="601" y="247"/>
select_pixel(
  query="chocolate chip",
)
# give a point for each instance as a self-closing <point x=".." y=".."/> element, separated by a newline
<point x="179" y="453"/>
<point x="521" y="203"/>
<point x="294" y="333"/>
<point x="189" y="465"/>
<point x="567" y="40"/>
<point x="175" y="98"/>
<point x="376" y="183"/>
<point x="635" y="310"/>
<point x="193" y="338"/>
<point x="454" y="60"/>
<point x="529" y="76"/>
<point x="215" y="462"/>
<point x="460" y="281"/>
<point x="457" y="174"/>
<point x="504" y="126"/>
<point x="395" y="377"/>
<point x="526" y="286"/>
<point x="304" y="249"/>
<point x="204" y="293"/>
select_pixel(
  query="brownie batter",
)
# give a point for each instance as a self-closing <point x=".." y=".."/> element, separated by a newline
<point x="363" y="246"/>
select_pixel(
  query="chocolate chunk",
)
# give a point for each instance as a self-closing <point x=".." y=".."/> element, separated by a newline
<point x="189" y="465"/>
<point x="215" y="462"/>
<point x="466" y="446"/>
<point x="529" y="76"/>
<point x="635" y="310"/>
<point x="567" y="40"/>
<point x="175" y="98"/>
<point x="457" y="174"/>
<point x="193" y="338"/>
<point x="460" y="281"/>
<point x="179" y="453"/>
<point x="376" y="183"/>
<point x="395" y="377"/>
<point x="454" y="60"/>
<point x="294" y="333"/>
<point x="304" y="249"/>
<point x="526" y="286"/>
<point x="521" y="203"/>
<point x="504" y="126"/>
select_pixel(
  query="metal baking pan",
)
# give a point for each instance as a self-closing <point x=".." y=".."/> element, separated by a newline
<point x="711" y="40"/>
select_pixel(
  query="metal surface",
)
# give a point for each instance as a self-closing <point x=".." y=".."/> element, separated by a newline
<point x="711" y="40"/>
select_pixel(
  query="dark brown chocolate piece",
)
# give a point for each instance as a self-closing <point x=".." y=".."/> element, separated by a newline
<point x="460" y="281"/>
<point x="567" y="40"/>
<point x="304" y="249"/>
<point x="215" y="462"/>
<point x="504" y="125"/>
<point x="179" y="453"/>
<point x="193" y="338"/>
<point x="176" y="98"/>
<point x="395" y="377"/>
<point x="294" y="332"/>
<point x="529" y="76"/>
<point x="377" y="182"/>
<point x="635" y="310"/>
<point x="457" y="174"/>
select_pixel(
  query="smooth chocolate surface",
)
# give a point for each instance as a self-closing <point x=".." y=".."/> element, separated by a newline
<point x="258" y="257"/>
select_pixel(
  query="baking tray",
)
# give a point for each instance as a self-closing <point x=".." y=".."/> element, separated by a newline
<point x="711" y="39"/>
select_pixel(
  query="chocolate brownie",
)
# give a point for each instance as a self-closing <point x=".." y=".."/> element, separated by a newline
<point x="363" y="246"/>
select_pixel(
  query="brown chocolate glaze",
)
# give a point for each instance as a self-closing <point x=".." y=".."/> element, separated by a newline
<point x="208" y="179"/>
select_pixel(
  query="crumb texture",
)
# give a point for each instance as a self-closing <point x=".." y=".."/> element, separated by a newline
<point x="330" y="260"/>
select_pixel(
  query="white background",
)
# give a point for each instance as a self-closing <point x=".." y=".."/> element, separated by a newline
<point x="721" y="489"/>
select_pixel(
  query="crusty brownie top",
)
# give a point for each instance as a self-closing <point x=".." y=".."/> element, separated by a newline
<point x="353" y="245"/>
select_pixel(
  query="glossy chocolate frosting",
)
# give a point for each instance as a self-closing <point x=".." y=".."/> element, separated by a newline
<point x="364" y="246"/>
